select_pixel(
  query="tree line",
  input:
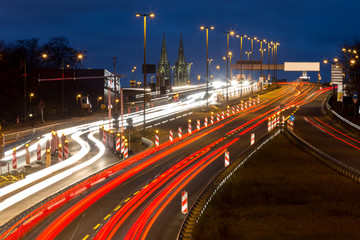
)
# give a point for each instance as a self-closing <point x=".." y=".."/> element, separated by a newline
<point x="20" y="64"/>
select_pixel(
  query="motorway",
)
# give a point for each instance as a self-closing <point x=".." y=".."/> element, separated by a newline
<point x="158" y="205"/>
<point x="139" y="197"/>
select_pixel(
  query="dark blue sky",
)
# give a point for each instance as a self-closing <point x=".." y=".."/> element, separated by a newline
<point x="307" y="30"/>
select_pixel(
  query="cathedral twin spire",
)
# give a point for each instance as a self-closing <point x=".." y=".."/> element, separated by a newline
<point x="181" y="66"/>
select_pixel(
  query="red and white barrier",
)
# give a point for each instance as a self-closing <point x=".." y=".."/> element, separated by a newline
<point x="206" y="122"/>
<point x="283" y="119"/>
<point x="123" y="146"/>
<point x="184" y="202"/>
<point x="180" y="132"/>
<point x="14" y="160"/>
<point x="157" y="139"/>
<point x="126" y="152"/>
<point x="60" y="153"/>
<point x="212" y="119"/>
<point x="66" y="150"/>
<point x="189" y="127"/>
<point x="222" y="115"/>
<point x="104" y="137"/>
<point x="242" y="106"/>
<point x="290" y="125"/>
<point x="227" y="159"/>
<point x="252" y="140"/>
<point x="38" y="153"/>
<point x="258" y="100"/>
<point x="171" y="138"/>
<point x="274" y="121"/>
<point x="228" y="112"/>
<point x="218" y="117"/>
<point x="277" y="120"/>
<point x="238" y="108"/>
<point x="233" y="110"/>
<point x="198" y="125"/>
<point x="250" y="103"/>
<point x="118" y="142"/>
<point x="245" y="105"/>
<point x="269" y="125"/>
<point x="254" y="101"/>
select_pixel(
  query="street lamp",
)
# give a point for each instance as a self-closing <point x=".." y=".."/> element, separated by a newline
<point x="144" y="67"/>
<point x="199" y="77"/>
<point x="241" y="50"/>
<point x="189" y="79"/>
<point x="207" y="60"/>
<point x="227" y="62"/>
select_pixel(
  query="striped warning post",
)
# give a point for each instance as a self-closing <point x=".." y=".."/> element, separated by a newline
<point x="245" y="105"/>
<point x="14" y="159"/>
<point x="66" y="150"/>
<point x="290" y="125"/>
<point x="254" y="101"/>
<point x="227" y="159"/>
<point x="228" y="112"/>
<point x="171" y="138"/>
<point x="157" y="138"/>
<point x="189" y="127"/>
<point x="233" y="110"/>
<point x="283" y="119"/>
<point x="250" y="103"/>
<point x="222" y="115"/>
<point x="184" y="202"/>
<point x="198" y="125"/>
<point x="180" y="132"/>
<point x="278" y="120"/>
<point x="269" y="125"/>
<point x="126" y="152"/>
<point x="212" y="119"/>
<point x="206" y="122"/>
<point x="218" y="117"/>
<point x="104" y="136"/>
<point x="258" y="100"/>
<point x="118" y="142"/>
<point x="274" y="121"/>
<point x="123" y="146"/>
<point x="38" y="153"/>
<point x="252" y="140"/>
<point x="238" y="108"/>
<point x="60" y="153"/>
<point x="27" y="155"/>
<point x="242" y="106"/>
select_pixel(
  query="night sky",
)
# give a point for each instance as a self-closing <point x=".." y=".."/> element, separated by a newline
<point x="306" y="30"/>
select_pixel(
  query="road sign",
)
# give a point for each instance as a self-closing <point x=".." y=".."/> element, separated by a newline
<point x="292" y="118"/>
<point x="355" y="97"/>
<point x="103" y="106"/>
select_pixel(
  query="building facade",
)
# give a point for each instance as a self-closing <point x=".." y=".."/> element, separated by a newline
<point x="163" y="76"/>
<point x="181" y="71"/>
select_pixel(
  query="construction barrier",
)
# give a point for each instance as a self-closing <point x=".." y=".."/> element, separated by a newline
<point x="60" y="153"/>
<point x="180" y="132"/>
<point x="14" y="160"/>
<point x="227" y="159"/>
<point x="171" y="138"/>
<point x="157" y="139"/>
<point x="189" y="127"/>
<point x="252" y="140"/>
<point x="206" y="122"/>
<point x="66" y="150"/>
<point x="198" y="125"/>
<point x="184" y="202"/>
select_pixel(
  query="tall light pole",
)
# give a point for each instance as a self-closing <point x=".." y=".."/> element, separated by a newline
<point x="144" y="67"/>
<point x="207" y="60"/>
<point x="227" y="63"/>
<point x="189" y="80"/>
<point x="241" y="51"/>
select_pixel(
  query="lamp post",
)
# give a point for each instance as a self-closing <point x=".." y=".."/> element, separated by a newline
<point x="252" y="55"/>
<point x="144" y="67"/>
<point x="189" y="79"/>
<point x="227" y="63"/>
<point x="207" y="60"/>
<point x="241" y="51"/>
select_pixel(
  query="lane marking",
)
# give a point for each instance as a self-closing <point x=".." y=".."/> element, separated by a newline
<point x="96" y="226"/>
<point x="107" y="216"/>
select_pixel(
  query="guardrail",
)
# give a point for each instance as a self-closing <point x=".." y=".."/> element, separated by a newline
<point x="335" y="164"/>
<point x="215" y="184"/>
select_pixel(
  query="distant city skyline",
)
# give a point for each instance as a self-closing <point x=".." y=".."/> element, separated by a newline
<point x="306" y="30"/>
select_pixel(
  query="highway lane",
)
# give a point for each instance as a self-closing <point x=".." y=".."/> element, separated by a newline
<point x="146" y="179"/>
<point x="314" y="127"/>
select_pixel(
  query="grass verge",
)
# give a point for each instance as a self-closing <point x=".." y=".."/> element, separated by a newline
<point x="283" y="193"/>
